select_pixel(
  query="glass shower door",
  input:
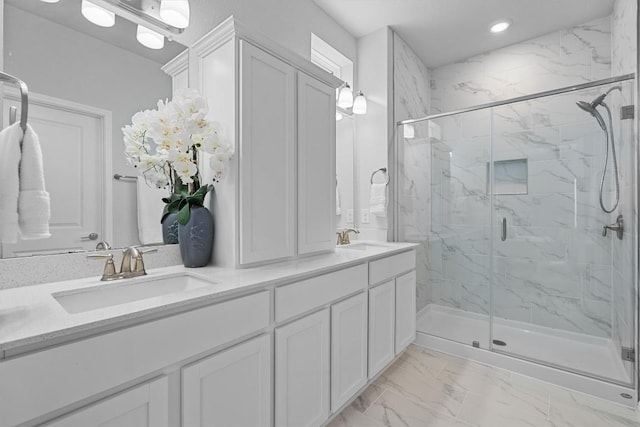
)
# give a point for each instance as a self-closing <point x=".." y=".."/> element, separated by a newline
<point x="444" y="206"/>
<point x="562" y="292"/>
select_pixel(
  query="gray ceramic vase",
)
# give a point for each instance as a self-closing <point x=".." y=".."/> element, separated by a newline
<point x="170" y="229"/>
<point x="196" y="238"/>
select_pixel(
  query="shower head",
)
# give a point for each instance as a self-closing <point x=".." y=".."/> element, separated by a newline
<point x="590" y="108"/>
<point x="601" y="97"/>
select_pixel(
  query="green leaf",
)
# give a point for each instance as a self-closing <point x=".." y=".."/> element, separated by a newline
<point x="184" y="213"/>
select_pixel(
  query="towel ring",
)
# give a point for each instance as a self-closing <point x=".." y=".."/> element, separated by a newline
<point x="383" y="170"/>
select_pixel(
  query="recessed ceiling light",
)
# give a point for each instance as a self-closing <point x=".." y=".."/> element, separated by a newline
<point x="500" y="26"/>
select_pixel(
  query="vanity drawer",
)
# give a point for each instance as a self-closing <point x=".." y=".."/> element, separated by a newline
<point x="386" y="268"/>
<point x="306" y="295"/>
<point x="39" y="383"/>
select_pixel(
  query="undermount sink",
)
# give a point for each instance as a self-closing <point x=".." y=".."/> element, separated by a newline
<point x="363" y="246"/>
<point x="124" y="291"/>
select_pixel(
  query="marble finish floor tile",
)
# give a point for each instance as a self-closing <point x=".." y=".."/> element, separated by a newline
<point x="425" y="388"/>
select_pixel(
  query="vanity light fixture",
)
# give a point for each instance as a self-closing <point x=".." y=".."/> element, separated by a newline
<point x="345" y="97"/>
<point x="97" y="15"/>
<point x="149" y="38"/>
<point x="360" y="104"/>
<point x="175" y="12"/>
<point x="500" y="26"/>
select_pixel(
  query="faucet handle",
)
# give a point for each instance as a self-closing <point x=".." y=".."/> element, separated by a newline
<point x="109" y="272"/>
<point x="138" y="268"/>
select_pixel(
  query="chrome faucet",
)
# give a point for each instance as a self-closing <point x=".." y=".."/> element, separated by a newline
<point x="129" y="255"/>
<point x="617" y="226"/>
<point x="343" y="236"/>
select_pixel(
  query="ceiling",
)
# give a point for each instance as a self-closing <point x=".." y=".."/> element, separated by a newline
<point x="122" y="34"/>
<point x="445" y="31"/>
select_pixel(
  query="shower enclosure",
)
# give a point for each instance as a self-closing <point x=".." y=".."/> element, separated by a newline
<point x="514" y="256"/>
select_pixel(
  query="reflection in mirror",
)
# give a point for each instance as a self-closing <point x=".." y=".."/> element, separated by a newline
<point x="345" y="176"/>
<point x="85" y="83"/>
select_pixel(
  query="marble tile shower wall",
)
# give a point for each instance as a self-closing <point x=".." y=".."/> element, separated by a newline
<point x="412" y="98"/>
<point x="624" y="51"/>
<point x="563" y="58"/>
<point x="555" y="269"/>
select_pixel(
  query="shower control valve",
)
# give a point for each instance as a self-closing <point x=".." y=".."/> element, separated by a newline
<point x="617" y="226"/>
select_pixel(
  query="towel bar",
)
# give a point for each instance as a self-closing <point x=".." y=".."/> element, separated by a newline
<point x="24" y="97"/>
<point x="384" y="171"/>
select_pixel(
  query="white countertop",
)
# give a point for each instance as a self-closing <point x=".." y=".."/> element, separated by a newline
<point x="31" y="318"/>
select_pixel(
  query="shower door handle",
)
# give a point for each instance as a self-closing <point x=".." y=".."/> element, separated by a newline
<point x="503" y="235"/>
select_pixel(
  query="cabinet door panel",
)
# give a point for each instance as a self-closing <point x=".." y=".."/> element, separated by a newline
<point x="302" y="371"/>
<point x="266" y="156"/>
<point x="316" y="165"/>
<point x="231" y="388"/>
<point x="348" y="348"/>
<point x="381" y="326"/>
<point x="405" y="310"/>
<point x="144" y="406"/>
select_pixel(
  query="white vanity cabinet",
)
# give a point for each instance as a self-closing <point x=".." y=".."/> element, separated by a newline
<point x="302" y="371"/>
<point x="146" y="405"/>
<point x="42" y="385"/>
<point x="278" y="111"/>
<point x="382" y="309"/>
<point x="267" y="156"/>
<point x="231" y="388"/>
<point x="348" y="348"/>
<point x="405" y="313"/>
<point x="316" y="165"/>
<point x="289" y="353"/>
<point x="392" y="308"/>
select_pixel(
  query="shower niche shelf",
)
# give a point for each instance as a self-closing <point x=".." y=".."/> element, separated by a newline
<point x="510" y="177"/>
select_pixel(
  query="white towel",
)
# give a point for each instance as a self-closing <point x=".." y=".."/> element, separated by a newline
<point x="338" y="207"/>
<point x="9" y="184"/>
<point x="150" y="207"/>
<point x="34" y="207"/>
<point x="378" y="200"/>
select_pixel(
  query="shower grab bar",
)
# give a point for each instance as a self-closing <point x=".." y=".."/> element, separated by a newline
<point x="559" y="91"/>
<point x="503" y="235"/>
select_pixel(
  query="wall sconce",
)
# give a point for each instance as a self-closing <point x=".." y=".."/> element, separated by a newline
<point x="339" y="116"/>
<point x="175" y="12"/>
<point x="360" y="104"/>
<point x="149" y="38"/>
<point x="346" y="101"/>
<point x="157" y="20"/>
<point x="97" y="15"/>
<point x="345" y="97"/>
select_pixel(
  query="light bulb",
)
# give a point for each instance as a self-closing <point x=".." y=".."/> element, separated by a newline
<point x="345" y="97"/>
<point x="409" y="131"/>
<point x="360" y="104"/>
<point x="175" y="12"/>
<point x="149" y="38"/>
<point x="97" y="15"/>
<point x="338" y="116"/>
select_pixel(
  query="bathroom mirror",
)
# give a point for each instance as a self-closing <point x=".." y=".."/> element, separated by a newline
<point x="345" y="171"/>
<point x="85" y="83"/>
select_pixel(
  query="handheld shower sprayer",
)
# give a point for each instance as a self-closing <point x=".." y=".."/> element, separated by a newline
<point x="591" y="108"/>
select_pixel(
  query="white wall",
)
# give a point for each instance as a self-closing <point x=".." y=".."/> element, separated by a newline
<point x="90" y="72"/>
<point x="287" y="22"/>
<point x="373" y="128"/>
